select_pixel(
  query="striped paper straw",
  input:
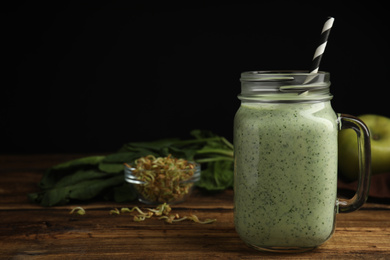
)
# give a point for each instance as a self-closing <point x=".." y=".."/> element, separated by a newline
<point x="320" y="50"/>
<point x="322" y="44"/>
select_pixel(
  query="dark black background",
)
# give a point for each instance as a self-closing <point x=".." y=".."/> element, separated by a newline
<point x="88" y="77"/>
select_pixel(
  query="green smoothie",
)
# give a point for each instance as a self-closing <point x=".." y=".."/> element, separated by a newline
<point x="285" y="173"/>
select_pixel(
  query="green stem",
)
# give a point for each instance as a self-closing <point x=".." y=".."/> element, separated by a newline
<point x="216" y="151"/>
<point x="229" y="144"/>
<point x="194" y="141"/>
<point x="210" y="159"/>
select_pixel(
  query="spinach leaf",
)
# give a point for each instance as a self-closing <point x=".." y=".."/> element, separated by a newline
<point x="57" y="172"/>
<point x="79" y="176"/>
<point x="122" y="193"/>
<point x="217" y="176"/>
<point x="90" y="189"/>
<point x="111" y="167"/>
<point x="127" y="157"/>
<point x="102" y="176"/>
<point x="84" y="190"/>
<point x="90" y="160"/>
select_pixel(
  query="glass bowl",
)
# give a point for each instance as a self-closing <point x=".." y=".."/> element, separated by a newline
<point x="171" y="186"/>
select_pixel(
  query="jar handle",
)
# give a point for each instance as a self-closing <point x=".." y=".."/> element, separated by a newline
<point x="364" y="151"/>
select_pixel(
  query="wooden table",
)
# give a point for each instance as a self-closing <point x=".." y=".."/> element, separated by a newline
<point x="28" y="230"/>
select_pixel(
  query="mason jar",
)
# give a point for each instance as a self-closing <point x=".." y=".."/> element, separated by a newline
<point x="285" y="152"/>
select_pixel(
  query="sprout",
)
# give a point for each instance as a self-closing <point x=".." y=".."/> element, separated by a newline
<point x="163" y="212"/>
<point x="163" y="177"/>
<point x="78" y="210"/>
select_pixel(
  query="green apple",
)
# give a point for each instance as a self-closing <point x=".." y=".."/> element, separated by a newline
<point x="379" y="127"/>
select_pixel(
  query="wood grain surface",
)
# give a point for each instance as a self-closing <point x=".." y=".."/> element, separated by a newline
<point x="29" y="231"/>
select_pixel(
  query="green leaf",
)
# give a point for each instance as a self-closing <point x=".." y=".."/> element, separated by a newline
<point x="200" y="134"/>
<point x="217" y="176"/>
<point x="121" y="194"/>
<point x="84" y="190"/>
<point x="79" y="176"/>
<point x="54" y="197"/>
<point x="127" y="157"/>
<point x="111" y="167"/>
<point x="97" y="176"/>
<point x="90" y="160"/>
<point x="90" y="189"/>
<point x="118" y="157"/>
<point x="57" y="172"/>
<point x="187" y="153"/>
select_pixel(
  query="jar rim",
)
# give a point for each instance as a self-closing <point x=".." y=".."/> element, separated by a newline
<point x="285" y="85"/>
<point x="259" y="75"/>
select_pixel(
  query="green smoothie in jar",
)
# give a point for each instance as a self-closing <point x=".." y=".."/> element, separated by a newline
<point x="285" y="149"/>
<point x="288" y="162"/>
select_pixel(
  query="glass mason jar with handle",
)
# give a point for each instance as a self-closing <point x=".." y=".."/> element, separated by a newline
<point x="285" y="149"/>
